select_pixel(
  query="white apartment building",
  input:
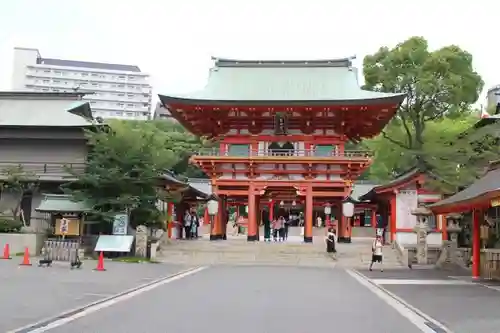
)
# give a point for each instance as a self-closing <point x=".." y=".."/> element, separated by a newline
<point x="115" y="91"/>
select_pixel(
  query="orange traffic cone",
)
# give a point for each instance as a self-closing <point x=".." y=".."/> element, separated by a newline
<point x="26" y="258"/>
<point x="6" y="252"/>
<point x="100" y="263"/>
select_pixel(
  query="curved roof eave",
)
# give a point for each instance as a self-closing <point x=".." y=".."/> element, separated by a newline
<point x="168" y="99"/>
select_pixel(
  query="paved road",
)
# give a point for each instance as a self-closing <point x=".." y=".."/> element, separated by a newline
<point x="31" y="294"/>
<point x="250" y="299"/>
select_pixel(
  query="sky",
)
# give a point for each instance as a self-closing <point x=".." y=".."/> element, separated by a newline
<point x="174" y="40"/>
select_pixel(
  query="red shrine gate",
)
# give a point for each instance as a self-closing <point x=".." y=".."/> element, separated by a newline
<point x="282" y="128"/>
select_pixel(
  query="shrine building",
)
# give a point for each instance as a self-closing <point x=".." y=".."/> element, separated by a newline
<point x="281" y="129"/>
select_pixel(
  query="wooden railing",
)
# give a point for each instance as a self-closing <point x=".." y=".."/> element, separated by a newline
<point x="286" y="153"/>
<point x="38" y="168"/>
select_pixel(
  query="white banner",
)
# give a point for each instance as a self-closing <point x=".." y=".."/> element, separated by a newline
<point x="406" y="201"/>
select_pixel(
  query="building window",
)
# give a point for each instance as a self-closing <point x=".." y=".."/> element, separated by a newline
<point x="130" y="114"/>
<point x="121" y="95"/>
<point x="121" y="86"/>
<point x="84" y="74"/>
<point x="131" y="77"/>
<point x="121" y="77"/>
<point x="46" y="81"/>
<point x="46" y="71"/>
<point x="95" y="75"/>
<point x="119" y="113"/>
<point x="130" y="95"/>
<point x="238" y="150"/>
<point x="130" y="105"/>
<point x="56" y="81"/>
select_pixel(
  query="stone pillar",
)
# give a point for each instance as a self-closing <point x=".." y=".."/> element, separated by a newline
<point x="422" y="230"/>
<point x="308" y="218"/>
<point x="141" y="241"/>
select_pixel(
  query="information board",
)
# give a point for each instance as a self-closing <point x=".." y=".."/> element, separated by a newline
<point x="114" y="243"/>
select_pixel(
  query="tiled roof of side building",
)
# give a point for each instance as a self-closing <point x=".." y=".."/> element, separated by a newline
<point x="254" y="81"/>
<point x="32" y="109"/>
<point x="89" y="64"/>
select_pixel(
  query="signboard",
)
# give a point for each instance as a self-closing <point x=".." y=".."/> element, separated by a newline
<point x="64" y="226"/>
<point x="495" y="202"/>
<point x="120" y="224"/>
<point x="112" y="243"/>
<point x="67" y="226"/>
<point x="406" y="201"/>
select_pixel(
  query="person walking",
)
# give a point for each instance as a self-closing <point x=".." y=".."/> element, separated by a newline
<point x="286" y="226"/>
<point x="274" y="226"/>
<point x="281" y="228"/>
<point x="187" y="224"/>
<point x="195" y="224"/>
<point x="377" y="254"/>
<point x="267" y="229"/>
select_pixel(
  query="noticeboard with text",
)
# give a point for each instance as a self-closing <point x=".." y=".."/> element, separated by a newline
<point x="120" y="224"/>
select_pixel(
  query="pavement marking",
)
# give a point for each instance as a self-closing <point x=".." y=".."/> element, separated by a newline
<point x="80" y="312"/>
<point x="420" y="282"/>
<point x="422" y="321"/>
<point x="496" y="288"/>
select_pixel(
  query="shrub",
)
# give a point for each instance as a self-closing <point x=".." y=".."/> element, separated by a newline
<point x="9" y="225"/>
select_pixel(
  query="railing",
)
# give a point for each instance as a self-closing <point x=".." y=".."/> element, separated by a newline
<point x="286" y="153"/>
<point x="37" y="168"/>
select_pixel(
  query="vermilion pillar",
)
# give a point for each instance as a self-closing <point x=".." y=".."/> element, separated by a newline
<point x="392" y="222"/>
<point x="170" y="219"/>
<point x="252" y="215"/>
<point x="476" y="243"/>
<point x="206" y="217"/>
<point x="374" y="219"/>
<point x="444" y="226"/>
<point x="308" y="227"/>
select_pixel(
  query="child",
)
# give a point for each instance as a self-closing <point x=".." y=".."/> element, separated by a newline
<point x="274" y="226"/>
<point x="377" y="252"/>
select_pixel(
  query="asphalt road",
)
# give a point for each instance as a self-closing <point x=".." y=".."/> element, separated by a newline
<point x="163" y="298"/>
<point x="31" y="294"/>
<point x="248" y="299"/>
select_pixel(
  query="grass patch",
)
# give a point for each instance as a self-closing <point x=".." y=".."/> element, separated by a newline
<point x="133" y="260"/>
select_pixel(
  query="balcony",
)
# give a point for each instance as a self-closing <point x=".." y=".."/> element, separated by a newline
<point x="41" y="171"/>
<point x="310" y="154"/>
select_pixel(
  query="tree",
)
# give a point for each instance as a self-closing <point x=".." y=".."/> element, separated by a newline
<point x="440" y="83"/>
<point x="16" y="184"/>
<point x="457" y="153"/>
<point x="124" y="163"/>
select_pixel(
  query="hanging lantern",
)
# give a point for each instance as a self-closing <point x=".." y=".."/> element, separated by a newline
<point x="328" y="209"/>
<point x="282" y="203"/>
<point x="213" y="206"/>
<point x="294" y="203"/>
<point x="348" y="209"/>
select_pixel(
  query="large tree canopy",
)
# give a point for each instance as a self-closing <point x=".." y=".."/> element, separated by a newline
<point x="437" y="84"/>
<point x="124" y="164"/>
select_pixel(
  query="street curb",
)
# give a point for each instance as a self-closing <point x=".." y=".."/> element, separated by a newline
<point x="40" y="324"/>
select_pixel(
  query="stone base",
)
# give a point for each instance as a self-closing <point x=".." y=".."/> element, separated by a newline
<point x="252" y="238"/>
<point x="308" y="239"/>
<point x="344" y="240"/>
<point x="216" y="237"/>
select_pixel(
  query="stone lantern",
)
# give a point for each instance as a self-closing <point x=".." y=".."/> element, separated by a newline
<point x="450" y="247"/>
<point x="453" y="226"/>
<point x="422" y="230"/>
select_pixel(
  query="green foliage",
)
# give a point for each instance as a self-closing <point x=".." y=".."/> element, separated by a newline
<point x="9" y="225"/>
<point x="441" y="87"/>
<point x="124" y="165"/>
<point x="17" y="183"/>
<point x="437" y="84"/>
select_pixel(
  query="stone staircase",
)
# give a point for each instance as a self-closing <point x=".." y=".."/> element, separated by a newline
<point x="237" y="251"/>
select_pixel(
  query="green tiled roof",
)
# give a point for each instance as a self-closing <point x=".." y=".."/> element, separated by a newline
<point x="61" y="203"/>
<point x="45" y="110"/>
<point x="274" y="81"/>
